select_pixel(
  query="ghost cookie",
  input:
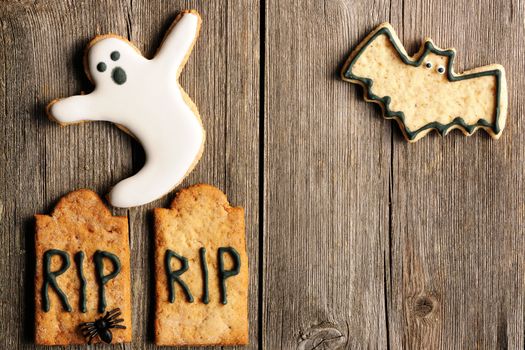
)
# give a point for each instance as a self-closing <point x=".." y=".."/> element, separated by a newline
<point x="201" y="270"/>
<point x="422" y="92"/>
<point x="143" y="97"/>
<point x="82" y="282"/>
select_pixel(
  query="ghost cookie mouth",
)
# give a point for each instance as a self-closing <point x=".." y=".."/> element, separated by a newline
<point x="118" y="75"/>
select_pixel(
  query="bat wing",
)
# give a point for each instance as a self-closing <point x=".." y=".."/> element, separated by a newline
<point x="466" y="104"/>
<point x="373" y="65"/>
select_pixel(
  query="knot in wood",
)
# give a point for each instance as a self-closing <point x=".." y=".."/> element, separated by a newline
<point x="423" y="306"/>
<point x="322" y="338"/>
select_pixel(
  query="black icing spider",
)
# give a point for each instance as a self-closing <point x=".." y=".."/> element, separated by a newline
<point x="102" y="326"/>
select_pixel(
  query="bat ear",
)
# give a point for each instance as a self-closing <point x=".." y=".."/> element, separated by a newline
<point x="394" y="38"/>
<point x="385" y="25"/>
<point x="429" y="43"/>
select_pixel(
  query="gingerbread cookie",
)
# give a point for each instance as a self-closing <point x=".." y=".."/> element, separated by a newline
<point x="201" y="270"/>
<point x="422" y="92"/>
<point x="143" y="97"/>
<point x="82" y="273"/>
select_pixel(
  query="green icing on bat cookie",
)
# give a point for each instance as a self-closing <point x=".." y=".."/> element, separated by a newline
<point x="475" y="99"/>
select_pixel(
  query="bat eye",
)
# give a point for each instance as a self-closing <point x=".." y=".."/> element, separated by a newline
<point x="428" y="65"/>
<point x="441" y="69"/>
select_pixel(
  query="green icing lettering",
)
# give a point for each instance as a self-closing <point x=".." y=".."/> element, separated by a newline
<point x="79" y="261"/>
<point x="102" y="279"/>
<point x="174" y="276"/>
<point x="204" y="267"/>
<point x="50" y="278"/>
<point x="225" y="274"/>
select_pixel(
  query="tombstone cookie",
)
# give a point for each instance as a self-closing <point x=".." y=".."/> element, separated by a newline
<point x="201" y="270"/>
<point x="82" y="284"/>
<point x="422" y="92"/>
<point x="143" y="97"/>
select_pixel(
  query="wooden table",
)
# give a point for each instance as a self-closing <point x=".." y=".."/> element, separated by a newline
<point x="356" y="239"/>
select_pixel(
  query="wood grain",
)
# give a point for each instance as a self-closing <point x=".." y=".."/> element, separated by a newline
<point x="42" y="46"/>
<point x="326" y="169"/>
<point x="368" y="242"/>
<point x="457" y="205"/>
<point x="367" y="238"/>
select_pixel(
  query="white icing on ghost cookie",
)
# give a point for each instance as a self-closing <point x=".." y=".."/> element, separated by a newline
<point x="144" y="98"/>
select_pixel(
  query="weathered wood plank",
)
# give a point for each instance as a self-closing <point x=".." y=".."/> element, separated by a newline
<point x="326" y="178"/>
<point x="457" y="204"/>
<point x="447" y="273"/>
<point x="222" y="78"/>
<point x="42" y="46"/>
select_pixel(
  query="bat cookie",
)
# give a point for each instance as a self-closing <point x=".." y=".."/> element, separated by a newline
<point x="422" y="92"/>
<point x="143" y="97"/>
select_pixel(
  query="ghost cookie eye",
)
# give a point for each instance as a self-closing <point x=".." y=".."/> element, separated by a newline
<point x="441" y="69"/>
<point x="115" y="55"/>
<point x="101" y="67"/>
<point x="428" y="65"/>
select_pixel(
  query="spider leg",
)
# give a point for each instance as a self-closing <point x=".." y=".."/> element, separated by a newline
<point x="115" y="324"/>
<point x="91" y="338"/>
<point x="91" y="332"/>
<point x="112" y="316"/>
<point x="115" y="320"/>
<point x="88" y="330"/>
<point x="87" y="324"/>
<point x="90" y="335"/>
<point x="118" y="326"/>
<point x="112" y="322"/>
<point x="112" y="312"/>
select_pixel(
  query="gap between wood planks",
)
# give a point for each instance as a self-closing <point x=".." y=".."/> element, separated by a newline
<point x="387" y="280"/>
<point x="262" y="62"/>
